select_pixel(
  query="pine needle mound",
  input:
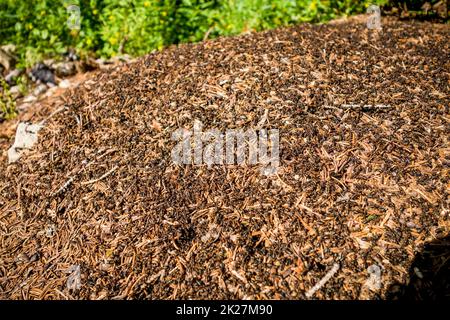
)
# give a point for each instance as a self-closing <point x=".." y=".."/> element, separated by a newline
<point x="358" y="185"/>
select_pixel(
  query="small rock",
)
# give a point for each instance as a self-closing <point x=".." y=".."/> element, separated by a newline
<point x="12" y="76"/>
<point x="65" y="69"/>
<point x="9" y="48"/>
<point x="29" y="98"/>
<point x="40" y="89"/>
<point x="22" y="257"/>
<point x="121" y="58"/>
<point x="15" y="92"/>
<point x="51" y="91"/>
<point x="71" y="55"/>
<point x="7" y="60"/>
<point x="50" y="63"/>
<point x="34" y="257"/>
<point x="100" y="61"/>
<point x="103" y="64"/>
<point x="43" y="73"/>
<point x="345" y="197"/>
<point x="88" y="64"/>
<point x="418" y="273"/>
<point x="21" y="107"/>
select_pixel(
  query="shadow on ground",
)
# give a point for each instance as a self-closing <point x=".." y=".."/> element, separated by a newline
<point x="429" y="275"/>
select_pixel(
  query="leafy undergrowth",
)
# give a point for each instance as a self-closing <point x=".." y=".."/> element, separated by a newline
<point x="7" y="103"/>
<point x="40" y="29"/>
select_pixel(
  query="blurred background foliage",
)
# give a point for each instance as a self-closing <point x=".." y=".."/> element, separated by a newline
<point x="39" y="28"/>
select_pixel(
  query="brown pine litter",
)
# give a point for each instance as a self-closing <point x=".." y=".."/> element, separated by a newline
<point x="364" y="178"/>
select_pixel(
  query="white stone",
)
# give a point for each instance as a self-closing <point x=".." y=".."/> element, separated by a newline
<point x="26" y="138"/>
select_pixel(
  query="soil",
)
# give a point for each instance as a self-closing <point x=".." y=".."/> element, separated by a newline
<point x="363" y="117"/>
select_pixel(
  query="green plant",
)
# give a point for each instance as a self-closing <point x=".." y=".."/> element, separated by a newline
<point x="7" y="103"/>
<point x="23" y="83"/>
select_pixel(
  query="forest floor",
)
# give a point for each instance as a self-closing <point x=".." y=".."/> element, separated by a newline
<point x="98" y="209"/>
